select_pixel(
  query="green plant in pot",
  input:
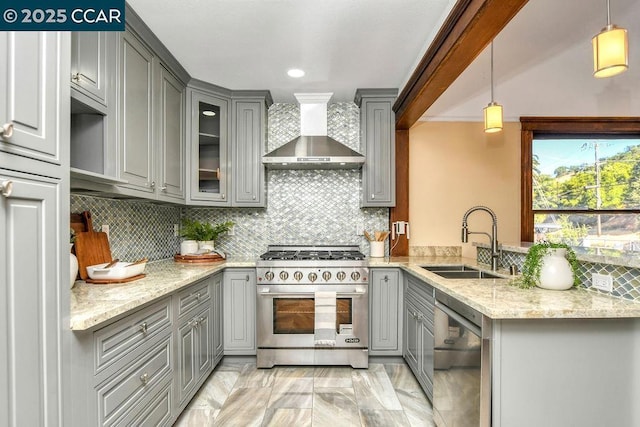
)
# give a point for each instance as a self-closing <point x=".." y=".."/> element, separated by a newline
<point x="549" y="266"/>
<point x="204" y="232"/>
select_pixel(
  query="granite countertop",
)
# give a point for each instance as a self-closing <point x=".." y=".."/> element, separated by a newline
<point x="497" y="299"/>
<point x="93" y="305"/>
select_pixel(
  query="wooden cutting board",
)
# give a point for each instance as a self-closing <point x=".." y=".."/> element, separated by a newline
<point x="91" y="248"/>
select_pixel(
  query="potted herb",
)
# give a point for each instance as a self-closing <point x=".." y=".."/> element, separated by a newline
<point x="203" y="232"/>
<point x="549" y="266"/>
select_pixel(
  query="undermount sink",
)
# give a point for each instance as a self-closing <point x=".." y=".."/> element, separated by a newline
<point x="459" y="271"/>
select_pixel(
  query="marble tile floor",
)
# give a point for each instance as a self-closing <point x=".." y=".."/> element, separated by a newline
<point x="239" y="394"/>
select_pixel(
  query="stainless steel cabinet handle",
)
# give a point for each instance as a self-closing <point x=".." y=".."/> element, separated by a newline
<point x="6" y="187"/>
<point x="253" y="197"/>
<point x="246" y="279"/>
<point x="143" y="328"/>
<point x="75" y="77"/>
<point x="373" y="196"/>
<point x="386" y="278"/>
<point x="223" y="195"/>
<point x="144" y="378"/>
<point x="198" y="296"/>
<point x="7" y="130"/>
<point x="164" y="187"/>
<point x="200" y="320"/>
<point x="419" y="317"/>
<point x="153" y="184"/>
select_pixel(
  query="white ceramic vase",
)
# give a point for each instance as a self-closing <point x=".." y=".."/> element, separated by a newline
<point x="555" y="272"/>
<point x="73" y="266"/>
<point x="206" y="245"/>
<point x="188" y="247"/>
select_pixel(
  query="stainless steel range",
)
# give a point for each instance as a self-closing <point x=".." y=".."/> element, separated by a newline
<point x="313" y="306"/>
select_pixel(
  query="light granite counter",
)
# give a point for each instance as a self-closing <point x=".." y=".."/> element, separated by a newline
<point x="497" y="299"/>
<point x="92" y="305"/>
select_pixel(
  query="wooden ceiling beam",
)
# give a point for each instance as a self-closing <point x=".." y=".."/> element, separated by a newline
<point x="468" y="29"/>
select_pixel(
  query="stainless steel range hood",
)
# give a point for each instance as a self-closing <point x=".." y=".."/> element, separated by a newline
<point x="313" y="149"/>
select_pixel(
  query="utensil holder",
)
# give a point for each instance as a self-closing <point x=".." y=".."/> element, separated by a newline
<point x="376" y="249"/>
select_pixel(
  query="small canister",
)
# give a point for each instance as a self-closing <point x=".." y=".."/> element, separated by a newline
<point x="188" y="247"/>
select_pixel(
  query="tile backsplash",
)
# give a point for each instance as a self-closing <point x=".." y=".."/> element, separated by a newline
<point x="303" y="206"/>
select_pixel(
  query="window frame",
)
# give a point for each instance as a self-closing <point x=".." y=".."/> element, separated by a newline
<point x="560" y="126"/>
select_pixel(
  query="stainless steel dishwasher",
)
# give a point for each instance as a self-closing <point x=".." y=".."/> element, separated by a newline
<point x="462" y="365"/>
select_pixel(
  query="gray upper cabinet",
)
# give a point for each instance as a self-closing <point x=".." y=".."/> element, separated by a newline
<point x="377" y="133"/>
<point x="136" y="125"/>
<point x="151" y="124"/>
<point x="385" y="305"/>
<point x="89" y="64"/>
<point x="170" y="122"/>
<point x="208" y="146"/>
<point x="248" y="143"/>
<point x="30" y="95"/>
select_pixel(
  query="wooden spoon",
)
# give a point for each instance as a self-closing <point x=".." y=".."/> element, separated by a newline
<point x="378" y="234"/>
<point x="140" y="261"/>
<point x="368" y="236"/>
<point x="112" y="263"/>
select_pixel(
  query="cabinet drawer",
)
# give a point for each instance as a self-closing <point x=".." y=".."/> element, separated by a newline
<point x="155" y="410"/>
<point x="120" y="338"/>
<point x="194" y="296"/>
<point x="422" y="290"/>
<point x="119" y="395"/>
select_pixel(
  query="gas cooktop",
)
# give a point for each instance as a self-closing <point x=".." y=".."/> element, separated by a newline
<point x="312" y="253"/>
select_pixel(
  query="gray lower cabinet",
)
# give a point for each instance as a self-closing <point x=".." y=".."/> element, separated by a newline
<point x="144" y="368"/>
<point x="240" y="312"/>
<point x="195" y="337"/>
<point x="218" y="316"/>
<point x="418" y="314"/>
<point x="377" y="133"/>
<point x="385" y="308"/>
<point x="248" y="143"/>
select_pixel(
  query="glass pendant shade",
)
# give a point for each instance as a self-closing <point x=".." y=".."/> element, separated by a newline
<point x="610" y="50"/>
<point x="493" y="117"/>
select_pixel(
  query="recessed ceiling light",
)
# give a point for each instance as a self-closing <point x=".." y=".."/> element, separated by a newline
<point x="208" y="113"/>
<point x="295" y="73"/>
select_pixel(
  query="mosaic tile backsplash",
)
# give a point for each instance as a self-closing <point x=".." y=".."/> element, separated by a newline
<point x="303" y="206"/>
<point x="626" y="280"/>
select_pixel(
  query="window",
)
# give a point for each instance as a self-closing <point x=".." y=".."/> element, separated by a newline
<point x="581" y="181"/>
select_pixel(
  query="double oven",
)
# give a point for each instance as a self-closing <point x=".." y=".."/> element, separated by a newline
<point x="290" y="281"/>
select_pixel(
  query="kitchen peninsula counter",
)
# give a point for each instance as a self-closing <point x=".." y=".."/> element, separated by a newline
<point x="497" y="299"/>
<point x="93" y="305"/>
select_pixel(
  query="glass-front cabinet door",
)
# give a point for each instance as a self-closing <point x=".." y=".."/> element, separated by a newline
<point x="209" y="141"/>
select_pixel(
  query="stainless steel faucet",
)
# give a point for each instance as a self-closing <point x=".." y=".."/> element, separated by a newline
<point x="494" y="233"/>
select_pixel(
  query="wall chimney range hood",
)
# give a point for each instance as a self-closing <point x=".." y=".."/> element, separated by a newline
<point x="313" y="149"/>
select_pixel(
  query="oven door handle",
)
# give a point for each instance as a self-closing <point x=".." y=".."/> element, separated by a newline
<point x="307" y="294"/>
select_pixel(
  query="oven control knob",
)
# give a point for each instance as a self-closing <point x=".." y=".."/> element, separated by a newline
<point x="269" y="275"/>
<point x="313" y="277"/>
<point x="326" y="275"/>
<point x="284" y="275"/>
<point x="298" y="275"/>
<point x="341" y="275"/>
<point x="355" y="276"/>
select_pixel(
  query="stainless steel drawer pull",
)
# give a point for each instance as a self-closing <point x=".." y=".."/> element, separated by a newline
<point x="163" y="188"/>
<point x="386" y="278"/>
<point x="198" y="296"/>
<point x="144" y="378"/>
<point x="373" y="196"/>
<point x="143" y="328"/>
<point x="7" y="130"/>
<point x="6" y="187"/>
<point x="75" y="77"/>
<point x="309" y="294"/>
<point x="246" y="279"/>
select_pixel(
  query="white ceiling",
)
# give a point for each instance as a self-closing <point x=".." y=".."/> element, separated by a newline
<point x="543" y="66"/>
<point x="341" y="44"/>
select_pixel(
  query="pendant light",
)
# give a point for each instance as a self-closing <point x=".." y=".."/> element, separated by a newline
<point x="493" y="111"/>
<point x="610" y="50"/>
